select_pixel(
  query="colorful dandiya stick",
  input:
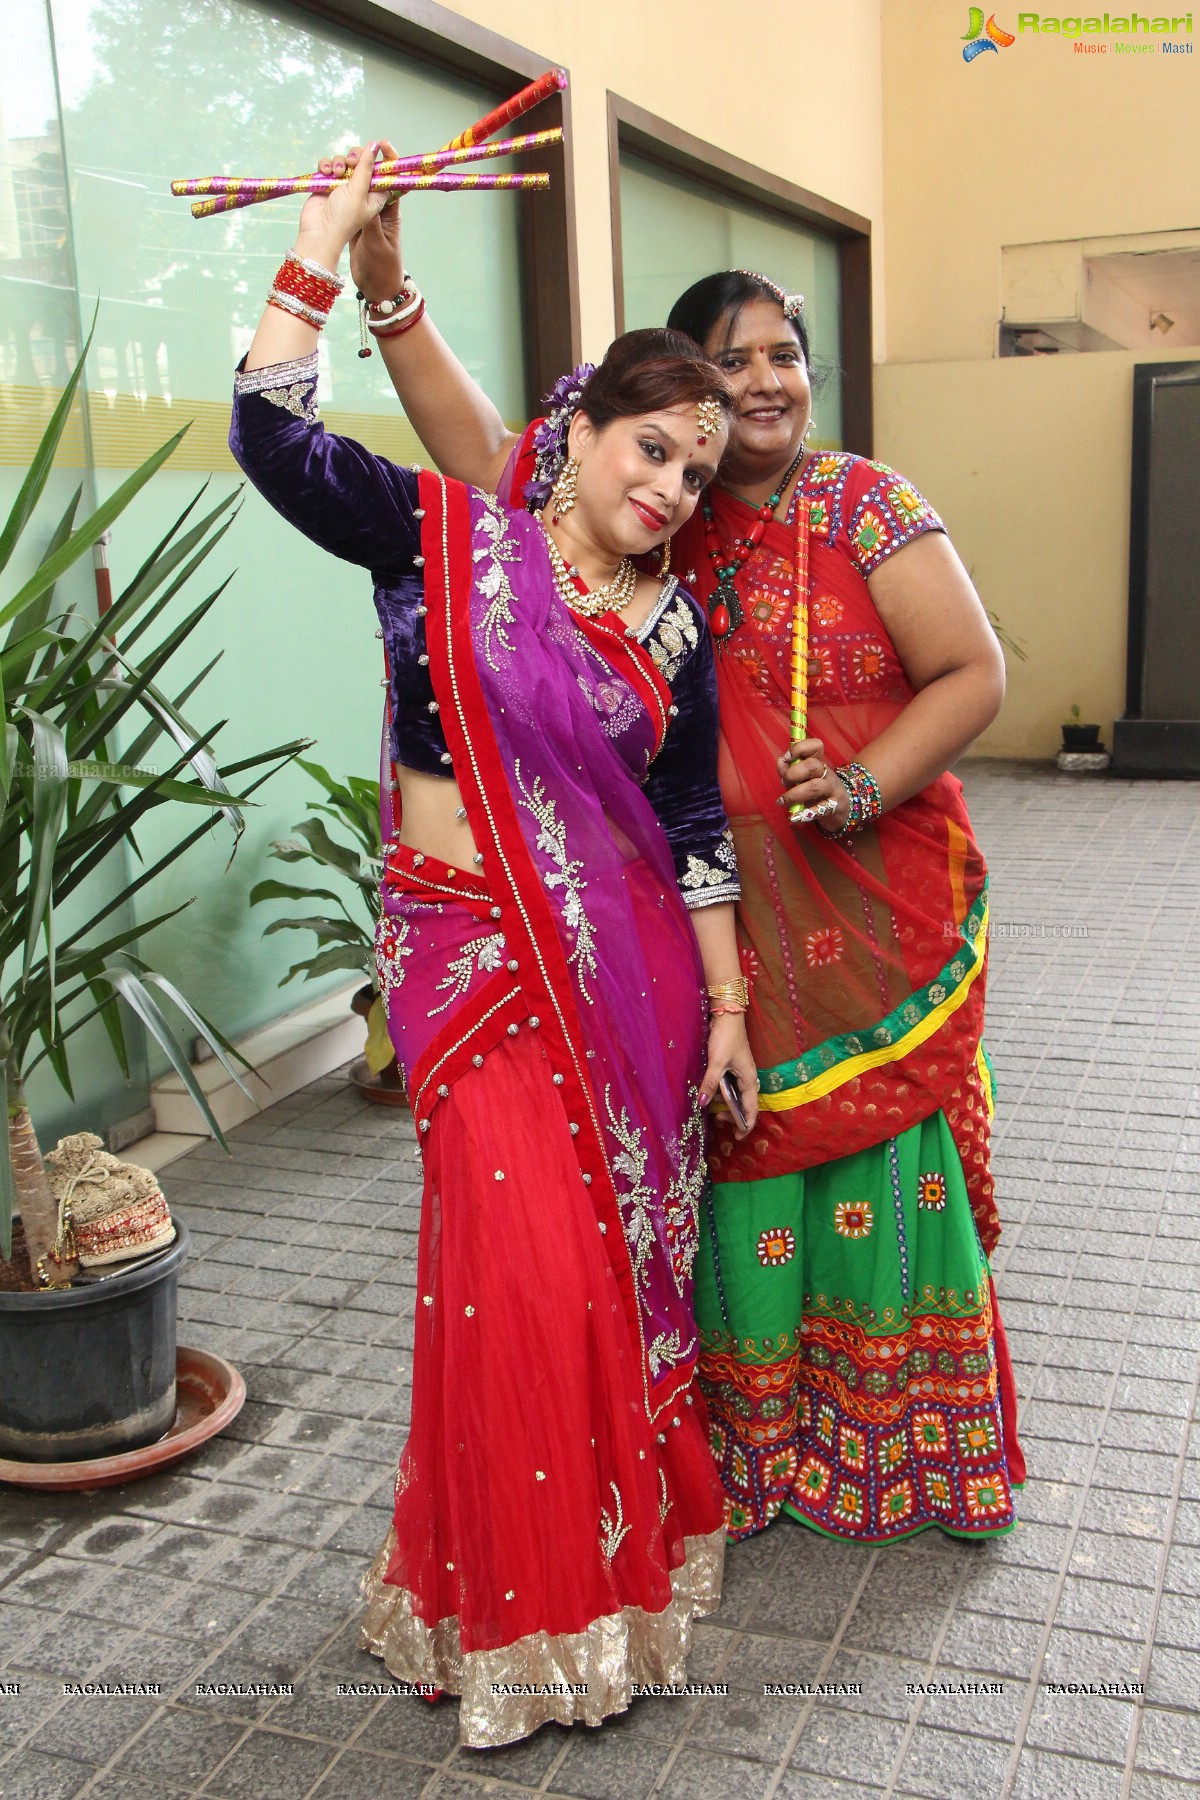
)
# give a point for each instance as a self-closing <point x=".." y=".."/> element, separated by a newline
<point x="315" y="182"/>
<point x="446" y="182"/>
<point x="552" y="82"/>
<point x="799" y="716"/>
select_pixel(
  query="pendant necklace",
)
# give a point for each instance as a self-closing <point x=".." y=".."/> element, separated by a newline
<point x="725" y="611"/>
<point x="591" y="603"/>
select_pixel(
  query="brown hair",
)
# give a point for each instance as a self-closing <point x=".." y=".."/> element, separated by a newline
<point x="648" y="371"/>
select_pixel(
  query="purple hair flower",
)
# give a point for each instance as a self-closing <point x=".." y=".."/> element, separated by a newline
<point x="550" y="438"/>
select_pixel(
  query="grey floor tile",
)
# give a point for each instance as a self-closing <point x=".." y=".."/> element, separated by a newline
<point x="405" y="1725"/>
<point x="883" y="1680"/>
<point x="527" y="1762"/>
<point x="1045" y="1776"/>
<point x="1087" y="1725"/>
<point x="696" y="1776"/>
<point x="848" y="1746"/>
<point x="1004" y="1647"/>
<point x="966" y="1700"/>
<point x="94" y="1730"/>
<point x="751" y="1725"/>
<point x="609" y="1764"/>
<point x="182" y="1750"/>
<point x="801" y="1784"/>
<point x="1179" y="1620"/>
<point x="1090" y="1656"/>
<point x="949" y="1765"/>
<point x="357" y="1777"/>
<point x="1104" y="1606"/>
<point x="1175" y="1678"/>
<point x="755" y="1660"/>
<point x="1169" y="1742"/>
<point x="269" y="1763"/>
<point x="28" y="1775"/>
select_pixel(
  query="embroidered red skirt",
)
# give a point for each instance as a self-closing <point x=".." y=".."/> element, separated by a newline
<point x="550" y="1545"/>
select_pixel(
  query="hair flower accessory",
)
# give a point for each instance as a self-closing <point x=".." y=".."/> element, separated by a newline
<point x="550" y="438"/>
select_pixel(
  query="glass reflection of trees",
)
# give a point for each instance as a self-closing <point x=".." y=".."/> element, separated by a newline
<point x="202" y="86"/>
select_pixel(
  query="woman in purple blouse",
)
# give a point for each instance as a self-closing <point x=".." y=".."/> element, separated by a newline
<point x="557" y="896"/>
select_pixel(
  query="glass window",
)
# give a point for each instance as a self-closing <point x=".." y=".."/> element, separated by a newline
<point x="208" y="86"/>
<point x="674" y="230"/>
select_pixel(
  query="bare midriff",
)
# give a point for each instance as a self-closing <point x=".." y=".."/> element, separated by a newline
<point x="429" y="818"/>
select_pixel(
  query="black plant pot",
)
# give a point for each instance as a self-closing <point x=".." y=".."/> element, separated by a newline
<point x="1081" y="737"/>
<point x="90" y="1371"/>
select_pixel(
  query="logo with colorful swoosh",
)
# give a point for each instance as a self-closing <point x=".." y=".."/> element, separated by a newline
<point x="980" y="37"/>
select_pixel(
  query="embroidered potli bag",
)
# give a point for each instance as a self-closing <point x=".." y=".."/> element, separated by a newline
<point x="112" y="1210"/>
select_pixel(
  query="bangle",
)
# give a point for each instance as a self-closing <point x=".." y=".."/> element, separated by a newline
<point x="715" y="1012"/>
<point x="399" y="322"/>
<point x="318" y="270"/>
<point x="288" y="303"/>
<point x="866" y="800"/>
<point x="736" y="991"/>
<point x="304" y="288"/>
<point x="388" y="318"/>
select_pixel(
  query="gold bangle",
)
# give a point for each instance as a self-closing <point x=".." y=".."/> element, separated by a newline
<point x="737" y="990"/>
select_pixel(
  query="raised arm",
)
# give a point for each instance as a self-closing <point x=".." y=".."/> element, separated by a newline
<point x="354" y="504"/>
<point x="459" y="426"/>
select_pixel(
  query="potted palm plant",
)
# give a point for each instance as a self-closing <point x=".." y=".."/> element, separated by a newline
<point x="345" y="938"/>
<point x="88" y="1369"/>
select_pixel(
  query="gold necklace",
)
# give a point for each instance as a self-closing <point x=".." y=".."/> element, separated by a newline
<point x="591" y="603"/>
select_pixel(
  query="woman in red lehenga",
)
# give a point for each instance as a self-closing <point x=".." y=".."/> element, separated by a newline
<point x="854" y="1358"/>
<point x="557" y="891"/>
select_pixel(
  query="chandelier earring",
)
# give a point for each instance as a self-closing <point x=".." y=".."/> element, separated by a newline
<point x="664" y="561"/>
<point x="565" y="491"/>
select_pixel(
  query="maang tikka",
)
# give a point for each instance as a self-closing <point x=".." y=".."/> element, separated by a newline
<point x="565" y="490"/>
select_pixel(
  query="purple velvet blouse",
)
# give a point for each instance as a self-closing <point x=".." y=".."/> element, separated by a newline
<point x="362" y="508"/>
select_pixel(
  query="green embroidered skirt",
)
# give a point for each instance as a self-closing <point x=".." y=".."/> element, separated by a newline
<point x="853" y="1359"/>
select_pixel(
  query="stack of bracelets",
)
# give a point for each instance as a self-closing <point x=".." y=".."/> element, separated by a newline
<point x="304" y="289"/>
<point x="729" y="996"/>
<point x="389" y="318"/>
<point x="308" y="291"/>
<point x="866" y="800"/>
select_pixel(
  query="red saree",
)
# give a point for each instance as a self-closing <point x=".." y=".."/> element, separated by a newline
<point x="557" y="1518"/>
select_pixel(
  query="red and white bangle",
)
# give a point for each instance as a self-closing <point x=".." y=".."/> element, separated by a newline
<point x="305" y="289"/>
<point x="389" y="318"/>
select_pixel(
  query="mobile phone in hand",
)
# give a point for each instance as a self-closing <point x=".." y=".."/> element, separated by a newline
<point x="731" y="1093"/>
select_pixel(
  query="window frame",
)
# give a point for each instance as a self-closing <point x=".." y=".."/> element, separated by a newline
<point x="444" y="40"/>
<point x="645" y="134"/>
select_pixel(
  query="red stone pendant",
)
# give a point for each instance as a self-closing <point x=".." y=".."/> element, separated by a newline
<point x="725" y="611"/>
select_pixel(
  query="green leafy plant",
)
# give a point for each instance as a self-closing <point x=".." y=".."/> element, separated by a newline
<point x="86" y="701"/>
<point x="344" y="940"/>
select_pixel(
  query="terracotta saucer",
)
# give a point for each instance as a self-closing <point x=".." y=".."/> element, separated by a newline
<point x="374" y="1087"/>
<point x="209" y="1395"/>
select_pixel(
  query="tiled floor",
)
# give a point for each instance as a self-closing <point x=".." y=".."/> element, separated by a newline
<point x="242" y="1565"/>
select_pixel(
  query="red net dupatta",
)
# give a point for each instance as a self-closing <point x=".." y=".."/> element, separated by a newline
<point x="867" y="960"/>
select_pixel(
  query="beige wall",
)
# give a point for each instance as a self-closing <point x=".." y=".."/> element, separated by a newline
<point x="869" y="103"/>
<point x="749" y="91"/>
<point x="1027" y="458"/>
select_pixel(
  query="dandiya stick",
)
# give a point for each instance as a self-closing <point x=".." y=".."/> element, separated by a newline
<point x="552" y="82"/>
<point x="423" y="164"/>
<point x="799" y="718"/>
<point x="444" y="182"/>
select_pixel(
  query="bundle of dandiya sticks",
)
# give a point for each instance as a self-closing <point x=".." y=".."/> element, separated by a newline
<point x="432" y="169"/>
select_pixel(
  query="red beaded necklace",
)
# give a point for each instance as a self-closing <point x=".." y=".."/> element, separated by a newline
<point x="725" y="611"/>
